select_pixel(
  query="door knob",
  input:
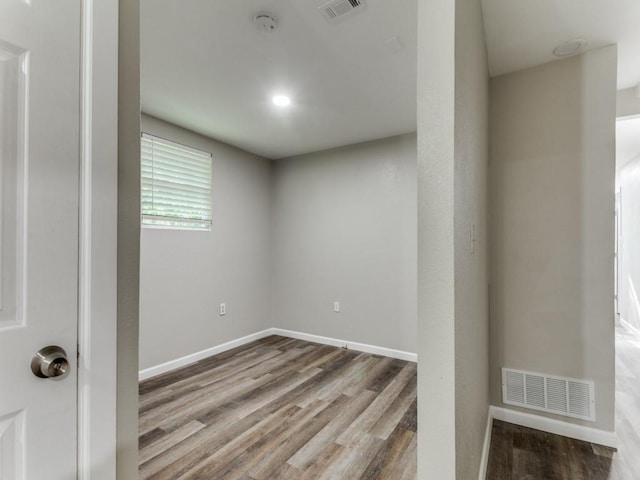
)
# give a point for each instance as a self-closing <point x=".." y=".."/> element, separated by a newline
<point x="50" y="362"/>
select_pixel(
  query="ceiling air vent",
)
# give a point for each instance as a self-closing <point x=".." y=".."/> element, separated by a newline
<point x="336" y="9"/>
<point x="563" y="396"/>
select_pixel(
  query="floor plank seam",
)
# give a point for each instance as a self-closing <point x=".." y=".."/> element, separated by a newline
<point x="277" y="408"/>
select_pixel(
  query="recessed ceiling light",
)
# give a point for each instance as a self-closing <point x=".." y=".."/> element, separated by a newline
<point x="571" y="47"/>
<point x="281" y="101"/>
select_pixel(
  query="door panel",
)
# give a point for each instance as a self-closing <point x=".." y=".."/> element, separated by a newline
<point x="11" y="441"/>
<point x="39" y="145"/>
<point x="13" y="109"/>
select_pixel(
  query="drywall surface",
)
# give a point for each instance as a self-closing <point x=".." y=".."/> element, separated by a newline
<point x="99" y="254"/>
<point x="628" y="181"/>
<point x="345" y="231"/>
<point x="128" y="238"/>
<point x="436" y="309"/>
<point x="185" y="275"/>
<point x="628" y="102"/>
<point x="453" y="101"/>
<point x="552" y="196"/>
<point x="470" y="232"/>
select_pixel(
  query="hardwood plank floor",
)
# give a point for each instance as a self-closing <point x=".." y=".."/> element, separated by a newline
<point x="281" y="408"/>
<point x="519" y="453"/>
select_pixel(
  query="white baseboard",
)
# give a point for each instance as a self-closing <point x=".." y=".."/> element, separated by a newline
<point x="194" y="357"/>
<point x="550" y="425"/>
<point x="486" y="446"/>
<point x="359" y="347"/>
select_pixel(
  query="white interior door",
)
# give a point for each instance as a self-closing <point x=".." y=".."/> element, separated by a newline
<point x="39" y="124"/>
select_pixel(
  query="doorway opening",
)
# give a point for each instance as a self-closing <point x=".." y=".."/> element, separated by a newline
<point x="627" y="289"/>
<point x="279" y="212"/>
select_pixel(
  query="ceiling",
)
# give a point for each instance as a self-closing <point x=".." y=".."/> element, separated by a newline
<point x="523" y="33"/>
<point x="627" y="141"/>
<point x="205" y="66"/>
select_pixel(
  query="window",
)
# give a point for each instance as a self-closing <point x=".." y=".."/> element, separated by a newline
<point x="175" y="185"/>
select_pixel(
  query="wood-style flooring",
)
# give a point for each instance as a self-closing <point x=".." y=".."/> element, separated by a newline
<point x="519" y="453"/>
<point x="280" y="408"/>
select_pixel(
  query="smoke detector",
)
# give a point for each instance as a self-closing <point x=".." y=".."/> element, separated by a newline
<point x="265" y="22"/>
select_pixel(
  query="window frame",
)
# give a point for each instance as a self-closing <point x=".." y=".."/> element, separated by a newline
<point x="206" y="227"/>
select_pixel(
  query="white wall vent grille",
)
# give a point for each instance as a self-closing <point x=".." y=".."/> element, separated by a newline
<point x="337" y="8"/>
<point x="547" y="393"/>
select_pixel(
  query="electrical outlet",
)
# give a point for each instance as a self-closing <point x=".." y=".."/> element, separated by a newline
<point x="223" y="309"/>
<point x="336" y="307"/>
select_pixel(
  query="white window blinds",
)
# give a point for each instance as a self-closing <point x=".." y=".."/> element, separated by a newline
<point x="175" y="185"/>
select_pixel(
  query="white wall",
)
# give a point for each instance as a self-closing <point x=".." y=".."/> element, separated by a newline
<point x="470" y="232"/>
<point x="185" y="275"/>
<point x="288" y="240"/>
<point x="436" y="307"/>
<point x="453" y="99"/>
<point x="628" y="180"/>
<point x="345" y="230"/>
<point x="552" y="197"/>
<point x="628" y="102"/>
